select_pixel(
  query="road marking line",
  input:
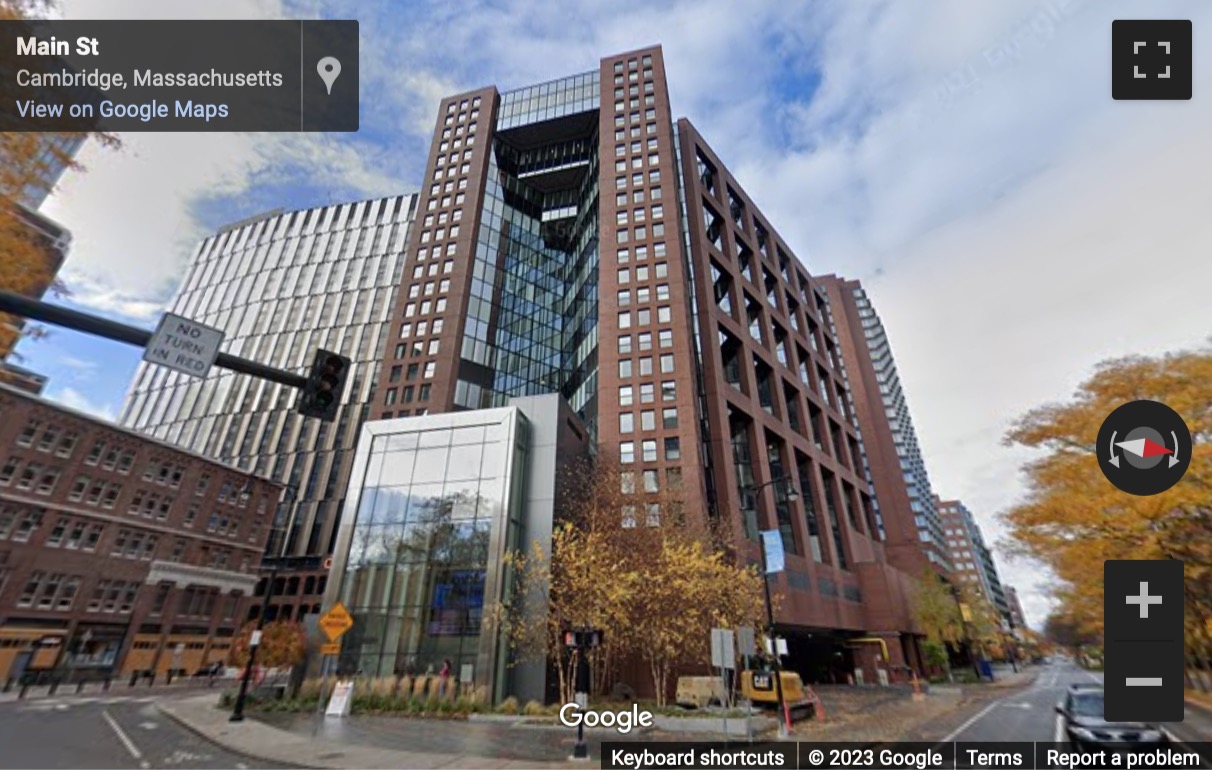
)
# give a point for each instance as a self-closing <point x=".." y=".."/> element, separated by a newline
<point x="122" y="736"/>
<point x="979" y="715"/>
<point x="1058" y="735"/>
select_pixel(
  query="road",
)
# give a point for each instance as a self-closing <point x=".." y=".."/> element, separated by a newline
<point x="1030" y="714"/>
<point x="104" y="732"/>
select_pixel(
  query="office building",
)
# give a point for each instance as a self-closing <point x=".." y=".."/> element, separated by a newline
<point x="118" y="553"/>
<point x="572" y="238"/>
<point x="280" y="286"/>
<point x="973" y="559"/>
<point x="912" y="527"/>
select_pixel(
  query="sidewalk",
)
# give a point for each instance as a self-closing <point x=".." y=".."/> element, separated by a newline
<point x="374" y="743"/>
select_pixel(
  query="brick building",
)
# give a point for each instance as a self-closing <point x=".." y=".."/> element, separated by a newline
<point x="973" y="559"/>
<point x="571" y="237"/>
<point x="911" y="525"/>
<point x="118" y="553"/>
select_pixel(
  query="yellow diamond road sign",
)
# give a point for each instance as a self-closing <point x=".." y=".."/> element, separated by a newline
<point x="336" y="622"/>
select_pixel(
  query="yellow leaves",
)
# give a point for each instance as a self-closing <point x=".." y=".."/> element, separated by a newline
<point x="1073" y="519"/>
<point x="935" y="611"/>
<point x="655" y="591"/>
<point x="283" y="643"/>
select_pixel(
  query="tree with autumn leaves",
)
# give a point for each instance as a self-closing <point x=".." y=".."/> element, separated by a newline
<point x="624" y="559"/>
<point x="283" y="644"/>
<point x="1073" y="519"/>
<point x="28" y="162"/>
<point x="955" y="614"/>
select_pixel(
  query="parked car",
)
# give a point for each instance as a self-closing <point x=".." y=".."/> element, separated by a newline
<point x="1086" y="729"/>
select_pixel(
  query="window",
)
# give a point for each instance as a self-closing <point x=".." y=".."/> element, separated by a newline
<point x="625" y="344"/>
<point x="651" y="481"/>
<point x="662" y="292"/>
<point x="669" y="391"/>
<point x="624" y="298"/>
<point x="627" y="452"/>
<point x="626" y="422"/>
<point x="664" y="315"/>
<point x="77" y="490"/>
<point x="673" y="449"/>
<point x="625" y="320"/>
<point x="647" y="420"/>
<point x="646" y="366"/>
<point x="669" y="417"/>
<point x="665" y="337"/>
<point x="28" y="432"/>
<point x="649" y="450"/>
<point x="30" y="523"/>
<point x="628" y="518"/>
<point x="666" y="363"/>
<point x="645" y="340"/>
<point x="625" y="368"/>
<point x="9" y="470"/>
<point x="626" y="395"/>
<point x="647" y="393"/>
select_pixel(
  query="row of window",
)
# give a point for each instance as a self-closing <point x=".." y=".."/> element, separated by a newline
<point x="648" y="420"/>
<point x="48" y="437"/>
<point x="57" y="591"/>
<point x="648" y="450"/>
<point x="642" y="366"/>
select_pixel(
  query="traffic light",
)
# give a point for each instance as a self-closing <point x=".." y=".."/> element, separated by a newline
<point x="322" y="393"/>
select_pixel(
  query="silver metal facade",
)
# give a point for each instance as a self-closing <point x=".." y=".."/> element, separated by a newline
<point x="280" y="286"/>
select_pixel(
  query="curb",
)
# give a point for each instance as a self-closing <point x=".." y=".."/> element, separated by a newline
<point x="260" y="757"/>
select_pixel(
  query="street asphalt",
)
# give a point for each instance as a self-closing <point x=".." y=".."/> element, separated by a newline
<point x="122" y="731"/>
<point x="1030" y="714"/>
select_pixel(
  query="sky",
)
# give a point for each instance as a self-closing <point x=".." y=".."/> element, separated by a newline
<point x="1013" y="225"/>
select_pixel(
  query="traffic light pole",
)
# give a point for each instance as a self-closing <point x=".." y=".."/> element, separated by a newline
<point x="15" y="304"/>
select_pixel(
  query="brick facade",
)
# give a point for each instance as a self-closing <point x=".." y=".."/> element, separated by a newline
<point x="118" y="553"/>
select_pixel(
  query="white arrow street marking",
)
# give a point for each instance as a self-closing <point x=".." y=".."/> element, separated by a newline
<point x="149" y="725"/>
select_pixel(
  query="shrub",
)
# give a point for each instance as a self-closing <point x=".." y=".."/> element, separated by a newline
<point x="508" y="706"/>
<point x="534" y="709"/>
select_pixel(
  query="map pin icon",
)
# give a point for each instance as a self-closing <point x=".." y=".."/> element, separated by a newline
<point x="329" y="68"/>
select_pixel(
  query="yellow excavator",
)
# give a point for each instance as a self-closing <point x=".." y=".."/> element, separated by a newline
<point x="756" y="685"/>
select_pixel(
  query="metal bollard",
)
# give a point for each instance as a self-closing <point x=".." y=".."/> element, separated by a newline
<point x="54" y="687"/>
<point x="134" y="679"/>
<point x="151" y="678"/>
<point x="105" y="685"/>
<point x="79" y="687"/>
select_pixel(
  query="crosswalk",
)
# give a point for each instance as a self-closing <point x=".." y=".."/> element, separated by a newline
<point x="63" y="704"/>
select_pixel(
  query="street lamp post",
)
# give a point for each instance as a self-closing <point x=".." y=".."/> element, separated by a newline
<point x="237" y="714"/>
<point x="785" y="725"/>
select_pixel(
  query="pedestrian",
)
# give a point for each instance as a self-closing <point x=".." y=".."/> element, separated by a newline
<point x="444" y="677"/>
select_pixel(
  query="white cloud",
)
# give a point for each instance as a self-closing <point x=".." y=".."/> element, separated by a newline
<point x="74" y="399"/>
<point x="134" y="213"/>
